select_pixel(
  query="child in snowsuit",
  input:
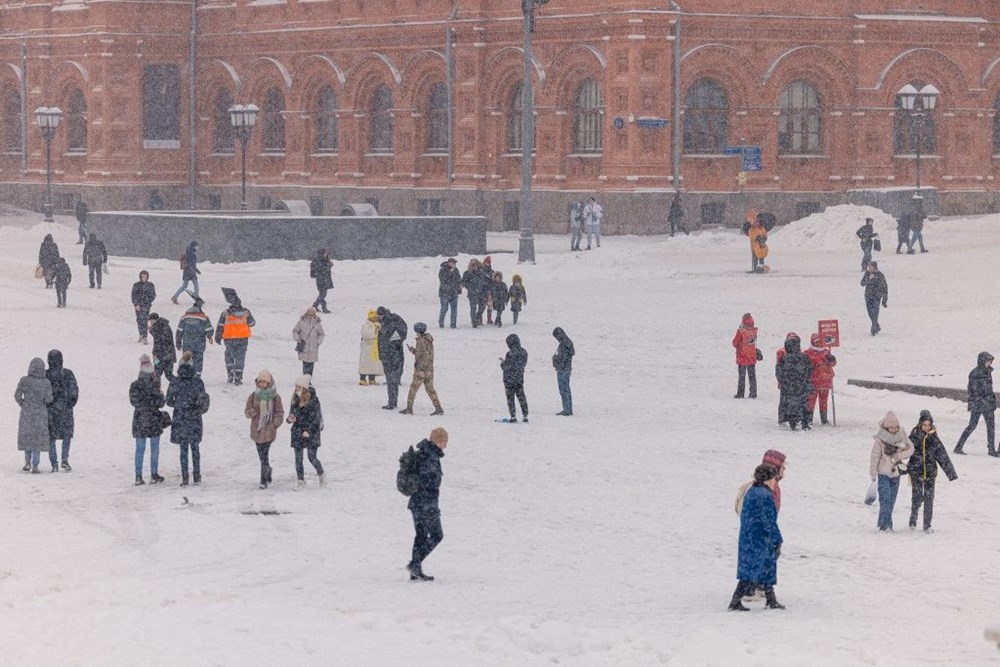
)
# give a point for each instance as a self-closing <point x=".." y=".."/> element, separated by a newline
<point x="499" y="294"/>
<point x="822" y="377"/>
<point x="889" y="451"/>
<point x="518" y="296"/>
<point x="929" y="453"/>
<point x="745" y="342"/>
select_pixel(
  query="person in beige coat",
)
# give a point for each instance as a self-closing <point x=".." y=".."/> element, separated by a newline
<point x="266" y="414"/>
<point x="369" y="365"/>
<point x="890" y="452"/>
<point x="308" y="335"/>
<point x="423" y="370"/>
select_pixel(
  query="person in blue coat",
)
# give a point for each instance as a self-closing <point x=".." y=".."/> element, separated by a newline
<point x="760" y="541"/>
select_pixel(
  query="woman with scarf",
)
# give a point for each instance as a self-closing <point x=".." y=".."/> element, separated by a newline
<point x="889" y="453"/>
<point x="265" y="412"/>
<point x="369" y="364"/>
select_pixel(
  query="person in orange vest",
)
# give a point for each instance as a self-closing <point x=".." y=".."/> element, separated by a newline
<point x="233" y="330"/>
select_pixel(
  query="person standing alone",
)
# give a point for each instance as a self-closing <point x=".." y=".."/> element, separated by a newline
<point x="876" y="291"/>
<point x="423" y="503"/>
<point x="233" y="330"/>
<point x="981" y="402"/>
<point x="676" y="215"/>
<point x="745" y="342"/>
<point x="143" y="296"/>
<point x="562" y="361"/>
<point x="867" y="234"/>
<point x="513" y="366"/>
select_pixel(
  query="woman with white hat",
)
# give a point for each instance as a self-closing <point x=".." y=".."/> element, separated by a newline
<point x="306" y="417"/>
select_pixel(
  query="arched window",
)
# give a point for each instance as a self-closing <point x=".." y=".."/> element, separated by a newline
<point x="274" y="122"/>
<point x="996" y="125"/>
<point x="588" y="126"/>
<point x="437" y="119"/>
<point x="380" y="116"/>
<point x="515" y="115"/>
<point x="12" y="121"/>
<point x="76" y="122"/>
<point x="706" y="117"/>
<point x="326" y="124"/>
<point x="800" y="120"/>
<point x="223" y="134"/>
<point x="913" y="127"/>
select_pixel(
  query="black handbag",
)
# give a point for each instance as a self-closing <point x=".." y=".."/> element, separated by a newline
<point x="877" y="245"/>
<point x="760" y="355"/>
<point x="165" y="419"/>
<point x="300" y="346"/>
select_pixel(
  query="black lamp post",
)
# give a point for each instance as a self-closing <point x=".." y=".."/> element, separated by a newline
<point x="243" y="117"/>
<point x="918" y="104"/>
<point x="48" y="122"/>
<point x="526" y="245"/>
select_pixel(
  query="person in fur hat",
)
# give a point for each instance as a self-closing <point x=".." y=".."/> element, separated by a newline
<point x="760" y="541"/>
<point x="929" y="453"/>
<point x="889" y="453"/>
<point x="266" y="414"/>
<point x="518" y="295"/>
<point x="822" y="377"/>
<point x="981" y="402"/>
<point x="745" y="342"/>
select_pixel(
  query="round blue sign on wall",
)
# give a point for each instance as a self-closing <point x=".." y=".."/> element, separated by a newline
<point x="618" y="122"/>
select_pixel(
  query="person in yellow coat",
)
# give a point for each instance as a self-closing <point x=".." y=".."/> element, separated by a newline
<point x="369" y="365"/>
<point x="757" y="234"/>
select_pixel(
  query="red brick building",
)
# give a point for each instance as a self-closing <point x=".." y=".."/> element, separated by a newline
<point x="357" y="103"/>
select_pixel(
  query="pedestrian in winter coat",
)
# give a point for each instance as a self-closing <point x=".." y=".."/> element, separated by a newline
<point x="62" y="279"/>
<point x="757" y="234"/>
<point x="308" y="336"/>
<point x="369" y="364"/>
<point x="147" y="400"/>
<point x="233" y="330"/>
<point x="903" y="233"/>
<point x="575" y="225"/>
<point x="189" y="400"/>
<point x="164" y="352"/>
<point x="487" y="294"/>
<point x="513" y="376"/>
<point x="676" y="215"/>
<point x="143" y="296"/>
<point x="593" y="213"/>
<point x="319" y="269"/>
<point x="82" y="213"/>
<point x="760" y="541"/>
<point x="33" y="394"/>
<point x="194" y="330"/>
<point x="518" y="296"/>
<point x="65" y="394"/>
<point x="876" y="291"/>
<point x="890" y="451"/>
<point x="391" y="335"/>
<point x="745" y="342"/>
<point x="266" y="414"/>
<point x="794" y="373"/>
<point x="189" y="270"/>
<point x="917" y="229"/>
<point x="500" y="294"/>
<point x="776" y="459"/>
<point x="48" y="257"/>
<point x="475" y="283"/>
<point x="423" y="503"/>
<point x="305" y="414"/>
<point x="867" y="234"/>
<point x="822" y="376"/>
<point x="95" y="256"/>
<point x="981" y="402"/>
<point x="562" y="361"/>
<point x="449" y="288"/>
<point x="423" y="370"/>
<point x="928" y="453"/>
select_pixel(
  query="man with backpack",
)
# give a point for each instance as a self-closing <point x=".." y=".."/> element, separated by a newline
<point x="419" y="478"/>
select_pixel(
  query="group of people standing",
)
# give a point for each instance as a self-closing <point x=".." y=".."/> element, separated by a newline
<point x="485" y="288"/>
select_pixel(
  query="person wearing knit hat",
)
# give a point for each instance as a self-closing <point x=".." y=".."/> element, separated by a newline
<point x="369" y="364"/>
<point x="760" y="541"/>
<point x="981" y="402"/>
<point x="890" y="451"/>
<point x="147" y="400"/>
<point x="423" y="370"/>
<point x="929" y="453"/>
<point x="308" y="335"/>
<point x="266" y="414"/>
<point x="305" y="414"/>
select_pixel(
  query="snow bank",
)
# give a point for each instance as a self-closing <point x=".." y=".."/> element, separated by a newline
<point x="835" y="227"/>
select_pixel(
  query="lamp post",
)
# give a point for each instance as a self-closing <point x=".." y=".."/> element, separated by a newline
<point x="918" y="104"/>
<point x="526" y="245"/>
<point x="48" y="121"/>
<point x="243" y="117"/>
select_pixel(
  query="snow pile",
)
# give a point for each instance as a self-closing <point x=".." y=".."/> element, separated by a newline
<point x="835" y="227"/>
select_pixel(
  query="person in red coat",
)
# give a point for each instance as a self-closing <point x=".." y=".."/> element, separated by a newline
<point x="745" y="342"/>
<point x="822" y="376"/>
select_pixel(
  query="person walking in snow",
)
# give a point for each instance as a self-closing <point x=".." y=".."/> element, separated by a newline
<point x="164" y="352"/>
<point x="188" y="398"/>
<point x="928" y="454"/>
<point x="903" y="225"/>
<point x="575" y="225"/>
<point x="391" y="335"/>
<point x="305" y="414"/>
<point x="266" y="415"/>
<point x="147" y="399"/>
<point x="981" y="402"/>
<point x="475" y="283"/>
<point x="500" y="294"/>
<point x="676" y="215"/>
<point x="308" y="335"/>
<point x="189" y="270"/>
<point x="82" y="213"/>
<point x="917" y="230"/>
<point x="449" y="289"/>
<point x="876" y="291"/>
<point x="772" y="457"/>
<point x="48" y="257"/>
<point x="518" y="296"/>
<point x="95" y="256"/>
<point x="193" y="330"/>
<point x="423" y="370"/>
<point x="760" y="541"/>
<point x="513" y="366"/>
<point x="867" y="234"/>
<point x="487" y="295"/>
<point x="592" y="215"/>
<point x="423" y="504"/>
<point x="890" y="451"/>
<point x="369" y="364"/>
<point x="822" y="377"/>
<point x="65" y="394"/>
<point x="319" y="269"/>
<point x="794" y="373"/>
<point x="63" y="277"/>
<point x="562" y="361"/>
<point x="745" y="342"/>
<point x="33" y="395"/>
<point x="233" y="330"/>
<point x="143" y="296"/>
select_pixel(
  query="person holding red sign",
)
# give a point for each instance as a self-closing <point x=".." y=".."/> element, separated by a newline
<point x="747" y="355"/>
<point x="822" y="377"/>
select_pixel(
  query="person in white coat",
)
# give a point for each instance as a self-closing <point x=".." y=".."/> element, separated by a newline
<point x="592" y="214"/>
<point x="369" y="364"/>
<point x="890" y="451"/>
<point x="308" y="335"/>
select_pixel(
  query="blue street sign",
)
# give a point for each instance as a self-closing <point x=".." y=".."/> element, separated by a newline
<point x="618" y="122"/>
<point x="732" y="150"/>
<point x="753" y="159"/>
<point x="651" y="123"/>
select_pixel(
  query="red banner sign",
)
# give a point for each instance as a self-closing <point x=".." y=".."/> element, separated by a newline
<point x="829" y="331"/>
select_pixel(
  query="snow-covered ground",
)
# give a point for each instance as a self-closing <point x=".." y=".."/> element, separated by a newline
<point x="605" y="539"/>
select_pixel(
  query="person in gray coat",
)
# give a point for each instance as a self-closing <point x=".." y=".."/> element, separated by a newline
<point x="308" y="335"/>
<point x="33" y="394"/>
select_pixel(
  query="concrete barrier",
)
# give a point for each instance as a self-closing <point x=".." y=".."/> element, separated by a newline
<point x="248" y="237"/>
<point x="919" y="390"/>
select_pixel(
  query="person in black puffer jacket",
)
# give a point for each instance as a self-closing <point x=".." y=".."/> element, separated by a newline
<point x="164" y="352"/>
<point x="424" y="503"/>
<point x="147" y="426"/>
<point x="981" y="402"/>
<point x="475" y="282"/>
<point x="319" y="270"/>
<point x="562" y="361"/>
<point x="513" y="376"/>
<point x="189" y="400"/>
<point x="929" y="453"/>
<point x="48" y="257"/>
<point x="449" y="288"/>
<point x="794" y="373"/>
<point x="305" y="414"/>
<point x="65" y="394"/>
<point x="391" y="335"/>
<point x="143" y="296"/>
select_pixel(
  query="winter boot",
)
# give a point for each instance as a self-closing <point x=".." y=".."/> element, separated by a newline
<point x="373" y="382"/>
<point x="197" y="478"/>
<point x="793" y="425"/>
<point x="737" y="602"/>
<point x="237" y="378"/>
<point x="958" y="449"/>
<point x="437" y="411"/>
<point x="139" y="481"/>
<point x="34" y="470"/>
<point x="65" y="466"/>
<point x="173" y="300"/>
<point x="822" y="418"/>
<point x="363" y="381"/>
<point x="417" y="573"/>
<point x="184" y="480"/>
<point x="155" y="479"/>
<point x="406" y="411"/>
<point x="807" y="424"/>
<point x="993" y="452"/>
<point x="772" y="601"/>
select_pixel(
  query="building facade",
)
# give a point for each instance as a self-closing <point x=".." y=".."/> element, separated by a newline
<point x="415" y="105"/>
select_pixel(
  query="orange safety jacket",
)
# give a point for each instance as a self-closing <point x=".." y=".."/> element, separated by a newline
<point x="236" y="326"/>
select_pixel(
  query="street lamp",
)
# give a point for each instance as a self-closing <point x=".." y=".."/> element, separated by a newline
<point x="526" y="245"/>
<point x="243" y="117"/>
<point x="918" y="104"/>
<point x="48" y="121"/>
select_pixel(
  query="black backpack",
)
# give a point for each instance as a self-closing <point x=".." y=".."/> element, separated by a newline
<point x="408" y="478"/>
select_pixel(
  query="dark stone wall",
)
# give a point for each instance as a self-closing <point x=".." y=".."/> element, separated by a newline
<point x="253" y="236"/>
